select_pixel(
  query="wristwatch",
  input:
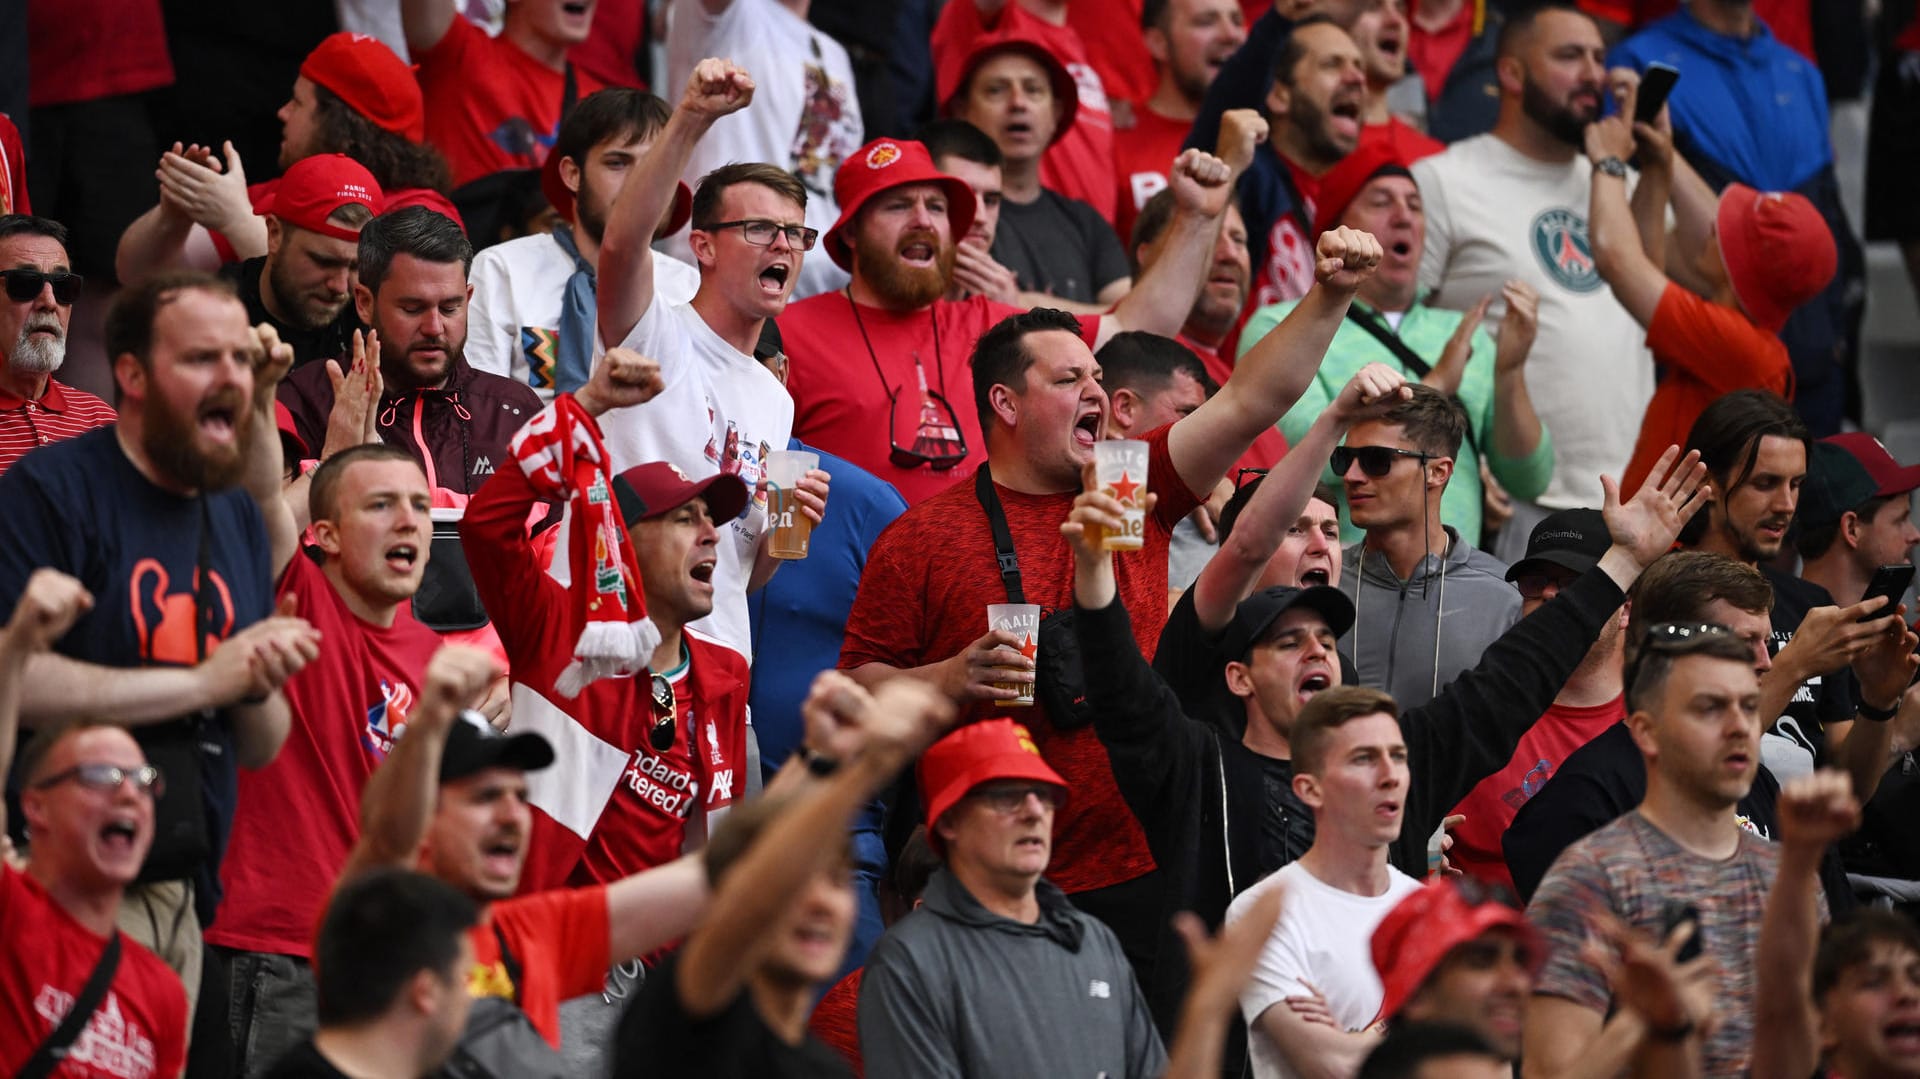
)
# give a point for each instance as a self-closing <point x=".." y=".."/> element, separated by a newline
<point x="1612" y="166"/>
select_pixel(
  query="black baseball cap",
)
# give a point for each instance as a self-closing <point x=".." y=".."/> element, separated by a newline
<point x="1260" y="610"/>
<point x="474" y="746"/>
<point x="1570" y="539"/>
<point x="1836" y="483"/>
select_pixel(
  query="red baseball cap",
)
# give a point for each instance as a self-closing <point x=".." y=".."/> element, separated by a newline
<point x="1066" y="92"/>
<point x="359" y="70"/>
<point x="316" y="186"/>
<point x="657" y="488"/>
<point x="424" y="196"/>
<point x="975" y="754"/>
<point x="1414" y="938"/>
<point x="1891" y="477"/>
<point x="884" y="164"/>
<point x="561" y="199"/>
<point x="1778" y="251"/>
<point x="1345" y="180"/>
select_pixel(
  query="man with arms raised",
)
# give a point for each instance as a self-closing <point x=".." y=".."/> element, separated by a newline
<point x="891" y="345"/>
<point x="87" y="794"/>
<point x="35" y="408"/>
<point x="720" y="409"/>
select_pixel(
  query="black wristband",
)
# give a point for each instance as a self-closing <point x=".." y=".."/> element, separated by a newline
<point x="1670" y="1035"/>
<point x="818" y="763"/>
<point x="1878" y="715"/>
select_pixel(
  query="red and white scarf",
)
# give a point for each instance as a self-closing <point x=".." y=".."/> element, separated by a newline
<point x="562" y="455"/>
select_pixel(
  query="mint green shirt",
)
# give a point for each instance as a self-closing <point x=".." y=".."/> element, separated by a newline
<point x="1425" y="331"/>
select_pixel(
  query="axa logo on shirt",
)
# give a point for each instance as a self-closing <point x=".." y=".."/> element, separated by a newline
<point x="663" y="784"/>
<point x="111" y="1042"/>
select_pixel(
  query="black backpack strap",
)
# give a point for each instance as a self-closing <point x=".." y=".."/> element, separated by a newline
<point x="54" y="1049"/>
<point x="508" y="960"/>
<point x="569" y="93"/>
<point x="1002" y="538"/>
<point x="1408" y="358"/>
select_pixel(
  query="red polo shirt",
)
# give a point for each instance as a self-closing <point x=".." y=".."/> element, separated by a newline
<point x="61" y="413"/>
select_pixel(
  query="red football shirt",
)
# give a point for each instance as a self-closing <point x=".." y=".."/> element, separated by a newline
<point x="140" y="1028"/>
<point x="1704" y="351"/>
<point x="491" y="106"/>
<point x="1110" y="30"/>
<point x="1490" y="807"/>
<point x="1142" y="154"/>
<point x="836" y="1020"/>
<point x="298" y="817"/>
<point x="840" y="403"/>
<point x="13" y="170"/>
<point x="84" y="50"/>
<point x="1080" y="165"/>
<point x="61" y="413"/>
<point x="559" y="939"/>
<point x="924" y="596"/>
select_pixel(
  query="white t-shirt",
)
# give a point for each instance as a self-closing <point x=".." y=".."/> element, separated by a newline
<point x="720" y="412"/>
<point x="1495" y="214"/>
<point x="1324" y="936"/>
<point x="518" y="289"/>
<point x="804" y="115"/>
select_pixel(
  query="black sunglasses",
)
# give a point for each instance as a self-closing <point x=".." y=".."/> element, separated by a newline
<point x="108" y="777"/>
<point x="23" y="286"/>
<point x="665" y="706"/>
<point x="1533" y="584"/>
<point x="1375" y="461"/>
<point x="937" y="441"/>
<point x="759" y="232"/>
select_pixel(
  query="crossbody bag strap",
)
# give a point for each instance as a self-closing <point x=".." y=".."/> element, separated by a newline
<point x="54" y="1049"/>
<point x="1002" y="538"/>
<point x="1410" y="359"/>
<point x="508" y="960"/>
<point x="569" y="93"/>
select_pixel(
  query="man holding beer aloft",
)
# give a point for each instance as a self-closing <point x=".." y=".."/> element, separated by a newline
<point x="652" y="757"/>
<point x="930" y="577"/>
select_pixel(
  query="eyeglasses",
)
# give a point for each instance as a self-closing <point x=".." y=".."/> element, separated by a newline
<point x="665" y="707"/>
<point x="1533" y="584"/>
<point x="1009" y="800"/>
<point x="937" y="441"/>
<point x="1375" y="461"/>
<point x="759" y="232"/>
<point x="108" y="777"/>
<point x="23" y="286"/>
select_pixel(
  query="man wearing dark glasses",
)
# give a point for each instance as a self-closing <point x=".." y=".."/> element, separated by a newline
<point x="1682" y="854"/>
<point x="720" y="409"/>
<point x="87" y="794"/>
<point x="35" y="408"/>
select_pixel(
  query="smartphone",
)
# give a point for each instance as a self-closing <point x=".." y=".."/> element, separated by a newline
<point x="1656" y="82"/>
<point x="1673" y="916"/>
<point x="1890" y="581"/>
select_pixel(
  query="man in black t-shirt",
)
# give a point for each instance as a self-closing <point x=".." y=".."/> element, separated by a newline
<point x="181" y="645"/>
<point x="303" y="285"/>
<point x="1756" y="448"/>
<point x="391" y="961"/>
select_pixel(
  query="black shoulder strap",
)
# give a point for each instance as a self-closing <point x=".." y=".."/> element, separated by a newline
<point x="507" y="960"/>
<point x="1376" y="326"/>
<point x="1002" y="539"/>
<point x="54" y="1049"/>
<point x="570" y="92"/>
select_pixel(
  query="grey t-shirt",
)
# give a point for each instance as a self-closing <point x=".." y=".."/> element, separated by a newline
<point x="1059" y="246"/>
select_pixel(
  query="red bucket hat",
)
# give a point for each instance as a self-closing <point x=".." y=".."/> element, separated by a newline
<point x="954" y="81"/>
<point x="317" y="186"/>
<point x="975" y="754"/>
<point x="359" y="70"/>
<point x="1414" y="938"/>
<point x="1345" y="180"/>
<point x="1778" y="251"/>
<point x="882" y="165"/>
<point x="561" y="199"/>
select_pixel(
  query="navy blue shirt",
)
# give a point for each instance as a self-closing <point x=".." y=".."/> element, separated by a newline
<point x="81" y="507"/>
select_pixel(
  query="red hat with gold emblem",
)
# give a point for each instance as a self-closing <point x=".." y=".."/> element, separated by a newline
<point x="978" y="753"/>
<point x="882" y="165"/>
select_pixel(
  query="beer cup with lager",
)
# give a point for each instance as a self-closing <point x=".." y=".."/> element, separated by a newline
<point x="791" y="528"/>
<point x="1023" y="621"/>
<point x="1120" y="465"/>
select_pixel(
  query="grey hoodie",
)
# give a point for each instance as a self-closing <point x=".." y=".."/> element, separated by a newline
<point x="955" y="990"/>
<point x="1396" y="623"/>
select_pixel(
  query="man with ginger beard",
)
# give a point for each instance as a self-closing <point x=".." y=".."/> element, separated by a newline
<point x="413" y="291"/>
<point x="890" y="345"/>
<point x="35" y="409"/>
<point x="139" y="511"/>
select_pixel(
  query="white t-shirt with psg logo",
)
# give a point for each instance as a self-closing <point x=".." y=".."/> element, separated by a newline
<point x="720" y="412"/>
<point x="804" y="117"/>
<point x="1494" y="214"/>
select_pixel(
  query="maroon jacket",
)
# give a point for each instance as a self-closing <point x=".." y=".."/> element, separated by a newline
<point x="458" y="434"/>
